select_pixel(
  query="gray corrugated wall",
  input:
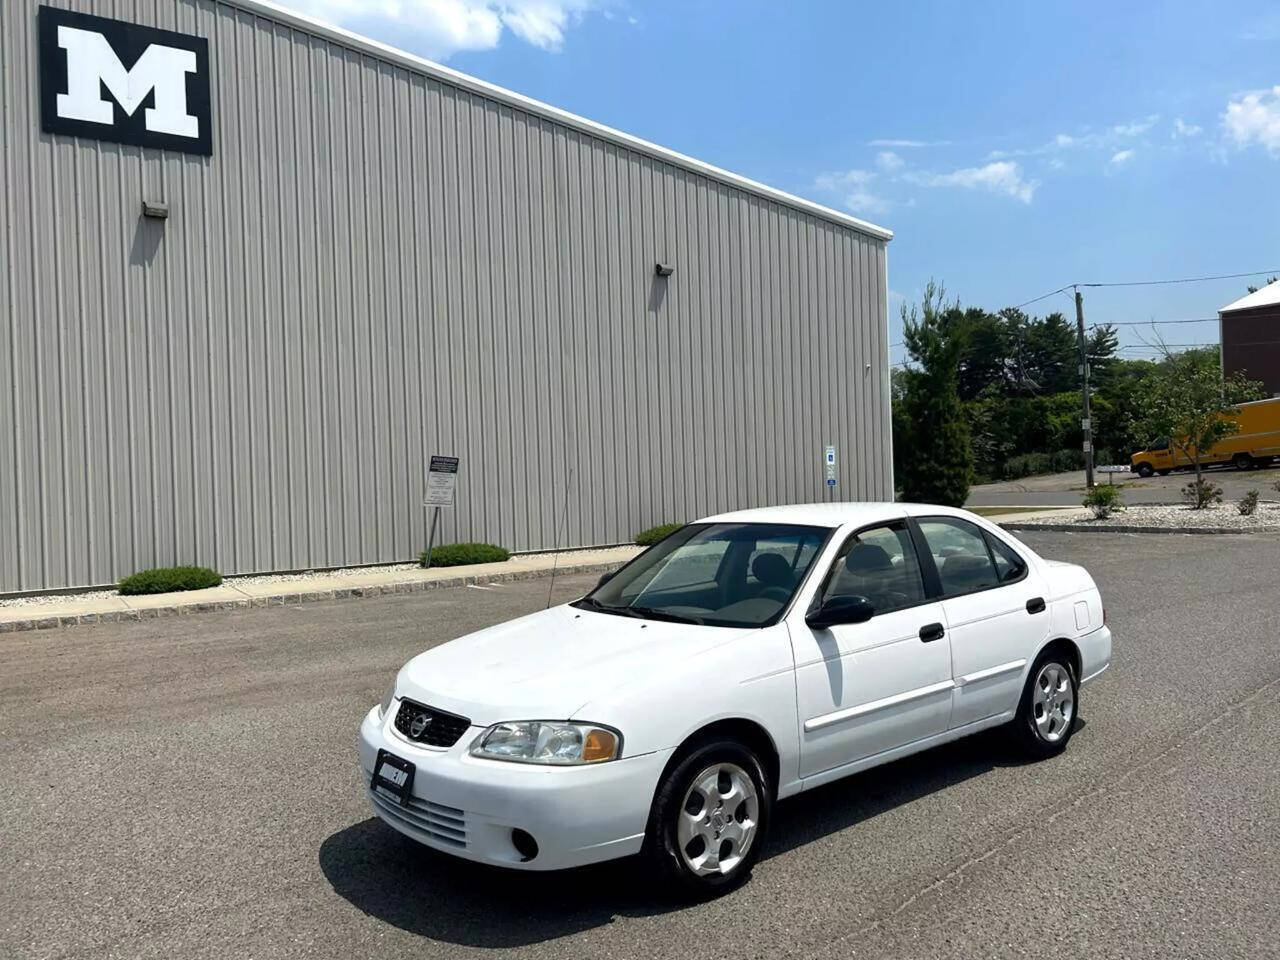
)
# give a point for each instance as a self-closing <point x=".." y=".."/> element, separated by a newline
<point x="375" y="266"/>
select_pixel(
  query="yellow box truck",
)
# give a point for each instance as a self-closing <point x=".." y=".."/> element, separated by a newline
<point x="1256" y="442"/>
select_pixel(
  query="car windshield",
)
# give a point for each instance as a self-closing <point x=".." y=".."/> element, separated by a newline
<point x="718" y="574"/>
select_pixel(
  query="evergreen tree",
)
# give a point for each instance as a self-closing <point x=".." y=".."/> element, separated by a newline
<point x="936" y="459"/>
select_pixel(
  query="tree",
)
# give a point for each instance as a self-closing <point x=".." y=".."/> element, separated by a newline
<point x="936" y="461"/>
<point x="1187" y="402"/>
<point x="1270" y="280"/>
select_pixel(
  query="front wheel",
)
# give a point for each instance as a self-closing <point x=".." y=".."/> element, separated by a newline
<point x="1047" y="713"/>
<point x="1145" y="470"/>
<point x="709" y="819"/>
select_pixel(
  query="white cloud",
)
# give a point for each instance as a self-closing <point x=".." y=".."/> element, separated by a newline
<point x="1000" y="176"/>
<point x="889" y="161"/>
<point x="1121" y="157"/>
<point x="854" y="188"/>
<point x="1055" y="163"/>
<point x="1136" y="128"/>
<point x="444" y="27"/>
<point x="908" y="143"/>
<point x="1254" y="117"/>
<point x="1183" y="129"/>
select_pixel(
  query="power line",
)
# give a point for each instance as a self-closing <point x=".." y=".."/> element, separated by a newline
<point x="1150" y="323"/>
<point x="1155" y="283"/>
<point x="1146" y="283"/>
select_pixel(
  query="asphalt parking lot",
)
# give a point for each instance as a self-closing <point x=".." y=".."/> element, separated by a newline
<point x="1067" y="489"/>
<point x="186" y="788"/>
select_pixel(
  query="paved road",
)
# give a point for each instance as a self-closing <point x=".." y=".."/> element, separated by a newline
<point x="1067" y="489"/>
<point x="186" y="788"/>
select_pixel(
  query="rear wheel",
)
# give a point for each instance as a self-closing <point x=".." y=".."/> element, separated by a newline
<point x="1242" y="461"/>
<point x="1046" y="716"/>
<point x="709" y="819"/>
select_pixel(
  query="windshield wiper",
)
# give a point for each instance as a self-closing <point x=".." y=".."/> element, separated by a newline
<point x="652" y="614"/>
<point x="591" y="603"/>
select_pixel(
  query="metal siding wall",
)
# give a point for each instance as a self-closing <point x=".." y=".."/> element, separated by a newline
<point x="375" y="266"/>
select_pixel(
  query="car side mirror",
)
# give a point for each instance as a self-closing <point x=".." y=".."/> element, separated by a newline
<point x="843" y="609"/>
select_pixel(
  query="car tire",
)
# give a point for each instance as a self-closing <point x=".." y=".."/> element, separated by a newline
<point x="684" y="826"/>
<point x="1049" y="707"/>
<point x="1145" y="470"/>
<point x="1242" y="461"/>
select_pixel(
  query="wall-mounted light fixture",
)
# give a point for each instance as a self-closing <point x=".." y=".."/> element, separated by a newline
<point x="155" y="211"/>
<point x="663" y="269"/>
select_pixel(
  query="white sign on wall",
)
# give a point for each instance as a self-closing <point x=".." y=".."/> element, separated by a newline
<point x="442" y="482"/>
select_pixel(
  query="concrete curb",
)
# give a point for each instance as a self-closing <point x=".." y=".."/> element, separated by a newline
<point x="46" y="621"/>
<point x="1129" y="528"/>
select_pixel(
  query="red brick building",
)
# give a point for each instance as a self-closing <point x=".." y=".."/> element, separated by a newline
<point x="1250" y="336"/>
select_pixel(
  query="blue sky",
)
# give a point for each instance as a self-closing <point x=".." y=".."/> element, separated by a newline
<point x="1013" y="148"/>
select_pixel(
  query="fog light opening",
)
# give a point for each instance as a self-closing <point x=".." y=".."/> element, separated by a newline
<point x="525" y="845"/>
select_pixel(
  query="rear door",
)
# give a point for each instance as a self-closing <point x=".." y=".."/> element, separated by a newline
<point x="864" y="688"/>
<point x="995" y="610"/>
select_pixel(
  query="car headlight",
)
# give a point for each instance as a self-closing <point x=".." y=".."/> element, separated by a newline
<point x="386" y="700"/>
<point x="548" y="741"/>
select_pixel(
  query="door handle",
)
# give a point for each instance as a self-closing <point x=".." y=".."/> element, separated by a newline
<point x="930" y="632"/>
<point x="1035" y="605"/>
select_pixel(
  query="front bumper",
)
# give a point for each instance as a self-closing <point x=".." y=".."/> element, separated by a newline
<point x="468" y="806"/>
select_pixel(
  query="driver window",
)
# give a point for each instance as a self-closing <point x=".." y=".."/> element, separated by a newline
<point x="881" y="565"/>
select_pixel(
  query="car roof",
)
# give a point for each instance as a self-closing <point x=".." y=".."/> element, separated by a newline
<point x="855" y="513"/>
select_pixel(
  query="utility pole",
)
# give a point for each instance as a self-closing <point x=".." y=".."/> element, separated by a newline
<point x="1087" y="423"/>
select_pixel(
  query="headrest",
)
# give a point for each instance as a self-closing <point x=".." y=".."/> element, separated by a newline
<point x="867" y="558"/>
<point x="773" y="570"/>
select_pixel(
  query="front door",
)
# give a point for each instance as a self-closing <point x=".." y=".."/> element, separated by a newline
<point x="864" y="688"/>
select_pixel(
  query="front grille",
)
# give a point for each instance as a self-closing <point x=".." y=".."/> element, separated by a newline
<point x="445" y="824"/>
<point x="428" y="725"/>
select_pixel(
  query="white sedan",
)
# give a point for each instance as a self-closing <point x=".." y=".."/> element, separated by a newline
<point x="745" y="658"/>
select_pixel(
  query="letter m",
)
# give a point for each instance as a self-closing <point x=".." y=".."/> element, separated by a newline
<point x="92" y="64"/>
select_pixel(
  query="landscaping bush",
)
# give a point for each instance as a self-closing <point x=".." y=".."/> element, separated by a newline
<point x="1104" y="500"/>
<point x="1248" y="504"/>
<point x="170" y="580"/>
<point x="647" y="538"/>
<point x="1201" y="493"/>
<point x="461" y="554"/>
<point x="1035" y="464"/>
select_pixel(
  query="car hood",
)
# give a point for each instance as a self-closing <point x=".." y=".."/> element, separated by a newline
<point x="548" y="665"/>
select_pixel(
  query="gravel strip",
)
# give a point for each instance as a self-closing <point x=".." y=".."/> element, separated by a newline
<point x="46" y="599"/>
<point x="1179" y="517"/>
<point x="569" y="558"/>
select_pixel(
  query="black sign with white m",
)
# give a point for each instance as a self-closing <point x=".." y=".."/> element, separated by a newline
<point x="111" y="80"/>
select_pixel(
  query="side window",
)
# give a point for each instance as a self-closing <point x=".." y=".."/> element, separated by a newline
<point x="960" y="553"/>
<point x="1009" y="566"/>
<point x="881" y="565"/>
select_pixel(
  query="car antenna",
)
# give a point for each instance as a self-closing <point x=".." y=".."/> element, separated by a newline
<point x="564" y="518"/>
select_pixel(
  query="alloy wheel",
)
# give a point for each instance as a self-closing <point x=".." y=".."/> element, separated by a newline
<point x="1053" y="702"/>
<point x="718" y="819"/>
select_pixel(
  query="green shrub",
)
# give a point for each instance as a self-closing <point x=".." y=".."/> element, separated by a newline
<point x="170" y="580"/>
<point x="1201" y="493"/>
<point x="1104" y="500"/>
<point x="461" y="554"/>
<point x="1035" y="464"/>
<point x="1248" y="504"/>
<point x="647" y="538"/>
